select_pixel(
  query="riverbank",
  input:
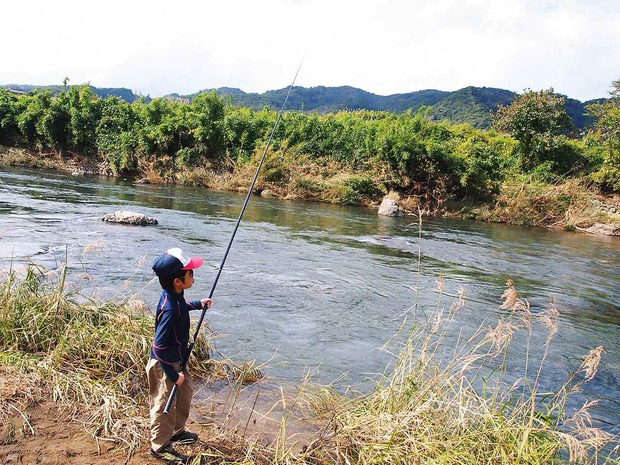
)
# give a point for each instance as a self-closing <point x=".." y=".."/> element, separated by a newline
<point x="58" y="403"/>
<point x="570" y="205"/>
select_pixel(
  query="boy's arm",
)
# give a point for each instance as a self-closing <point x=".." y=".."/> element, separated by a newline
<point x="194" y="305"/>
<point x="199" y="304"/>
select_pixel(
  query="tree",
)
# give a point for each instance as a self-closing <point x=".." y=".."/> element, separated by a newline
<point x="9" y="111"/>
<point x="84" y="116"/>
<point x="607" y="130"/>
<point x="607" y="125"/>
<point x="539" y="121"/>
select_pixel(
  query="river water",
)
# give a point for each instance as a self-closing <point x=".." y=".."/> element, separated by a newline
<point x="319" y="288"/>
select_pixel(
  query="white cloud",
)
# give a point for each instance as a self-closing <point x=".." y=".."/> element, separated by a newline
<point x="383" y="46"/>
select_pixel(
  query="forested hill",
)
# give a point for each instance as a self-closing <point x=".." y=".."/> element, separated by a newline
<point x="472" y="105"/>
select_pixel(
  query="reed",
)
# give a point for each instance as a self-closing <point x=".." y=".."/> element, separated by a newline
<point x="451" y="400"/>
<point x="89" y="354"/>
<point x="448" y="398"/>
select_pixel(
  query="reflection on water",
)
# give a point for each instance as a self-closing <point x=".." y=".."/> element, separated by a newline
<point x="312" y="285"/>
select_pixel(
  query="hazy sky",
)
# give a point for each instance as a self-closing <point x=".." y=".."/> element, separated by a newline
<point x="385" y="47"/>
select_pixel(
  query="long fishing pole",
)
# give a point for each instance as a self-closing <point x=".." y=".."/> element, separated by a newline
<point x="190" y="347"/>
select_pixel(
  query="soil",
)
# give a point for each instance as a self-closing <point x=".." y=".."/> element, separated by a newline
<point x="57" y="440"/>
<point x="35" y="430"/>
<point x="49" y="437"/>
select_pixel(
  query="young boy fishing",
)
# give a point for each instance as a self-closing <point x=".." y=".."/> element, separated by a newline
<point x="176" y="273"/>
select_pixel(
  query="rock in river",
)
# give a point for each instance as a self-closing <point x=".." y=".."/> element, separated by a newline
<point x="390" y="207"/>
<point x="127" y="217"/>
<point x="604" y="229"/>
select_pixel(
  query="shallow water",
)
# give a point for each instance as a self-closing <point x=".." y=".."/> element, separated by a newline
<point x="315" y="287"/>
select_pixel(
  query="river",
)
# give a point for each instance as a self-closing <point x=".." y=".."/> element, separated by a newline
<point x="316" y="287"/>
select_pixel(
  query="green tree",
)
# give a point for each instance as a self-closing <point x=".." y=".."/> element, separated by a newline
<point x="9" y="111"/>
<point x="116" y="137"/>
<point x="607" y="130"/>
<point x="84" y="117"/>
<point x="539" y="121"/>
<point x="32" y="110"/>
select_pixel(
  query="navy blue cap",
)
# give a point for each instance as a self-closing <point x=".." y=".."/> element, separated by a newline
<point x="171" y="262"/>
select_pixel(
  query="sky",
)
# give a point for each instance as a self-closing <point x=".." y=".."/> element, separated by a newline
<point x="384" y="47"/>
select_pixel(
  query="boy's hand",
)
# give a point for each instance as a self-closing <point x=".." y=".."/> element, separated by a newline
<point x="181" y="380"/>
<point x="206" y="303"/>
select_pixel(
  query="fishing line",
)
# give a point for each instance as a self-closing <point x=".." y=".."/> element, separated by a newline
<point x="190" y="347"/>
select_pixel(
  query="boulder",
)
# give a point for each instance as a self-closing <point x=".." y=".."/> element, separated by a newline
<point x="604" y="229"/>
<point x="390" y="207"/>
<point x="268" y="193"/>
<point x="127" y="217"/>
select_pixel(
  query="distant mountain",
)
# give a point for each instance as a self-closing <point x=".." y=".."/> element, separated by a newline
<point x="331" y="99"/>
<point x="473" y="105"/>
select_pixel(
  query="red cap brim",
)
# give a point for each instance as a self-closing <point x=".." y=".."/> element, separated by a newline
<point x="194" y="262"/>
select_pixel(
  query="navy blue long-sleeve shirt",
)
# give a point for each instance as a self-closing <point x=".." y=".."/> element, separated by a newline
<point x="172" y="331"/>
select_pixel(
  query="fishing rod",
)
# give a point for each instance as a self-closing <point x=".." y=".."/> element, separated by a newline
<point x="190" y="347"/>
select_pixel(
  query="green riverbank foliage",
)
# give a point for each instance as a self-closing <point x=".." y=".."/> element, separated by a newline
<point x="352" y="157"/>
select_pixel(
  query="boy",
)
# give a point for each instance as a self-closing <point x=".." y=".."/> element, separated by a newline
<point x="175" y="272"/>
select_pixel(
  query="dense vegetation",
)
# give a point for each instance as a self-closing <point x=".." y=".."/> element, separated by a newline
<point x="346" y="157"/>
<point x="472" y="105"/>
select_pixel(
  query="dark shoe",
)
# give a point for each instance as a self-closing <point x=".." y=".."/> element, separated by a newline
<point x="185" y="437"/>
<point x="171" y="456"/>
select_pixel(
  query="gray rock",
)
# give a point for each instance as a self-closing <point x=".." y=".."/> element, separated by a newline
<point x="127" y="217"/>
<point x="268" y="193"/>
<point x="604" y="229"/>
<point x="390" y="207"/>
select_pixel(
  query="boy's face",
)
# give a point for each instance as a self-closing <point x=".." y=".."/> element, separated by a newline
<point x="186" y="282"/>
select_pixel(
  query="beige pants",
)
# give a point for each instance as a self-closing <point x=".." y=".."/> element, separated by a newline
<point x="164" y="426"/>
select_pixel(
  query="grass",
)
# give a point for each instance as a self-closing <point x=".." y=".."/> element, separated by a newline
<point x="451" y="402"/>
<point x="19" y="157"/>
<point x="85" y="353"/>
<point x="445" y="400"/>
<point x="568" y="204"/>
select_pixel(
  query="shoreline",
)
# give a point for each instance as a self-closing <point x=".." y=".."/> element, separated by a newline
<point x="586" y="211"/>
<point x="35" y="426"/>
<point x="55" y="348"/>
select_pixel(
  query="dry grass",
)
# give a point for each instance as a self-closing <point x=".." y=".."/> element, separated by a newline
<point x="10" y="156"/>
<point x="449" y="402"/>
<point x="568" y="205"/>
<point x="445" y="400"/>
<point x="90" y="355"/>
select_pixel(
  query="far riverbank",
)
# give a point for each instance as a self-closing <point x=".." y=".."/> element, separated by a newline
<point x="570" y="205"/>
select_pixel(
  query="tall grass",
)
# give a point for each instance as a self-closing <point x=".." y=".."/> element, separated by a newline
<point x="452" y="400"/>
<point x="449" y="398"/>
<point x="569" y="205"/>
<point x="90" y="355"/>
